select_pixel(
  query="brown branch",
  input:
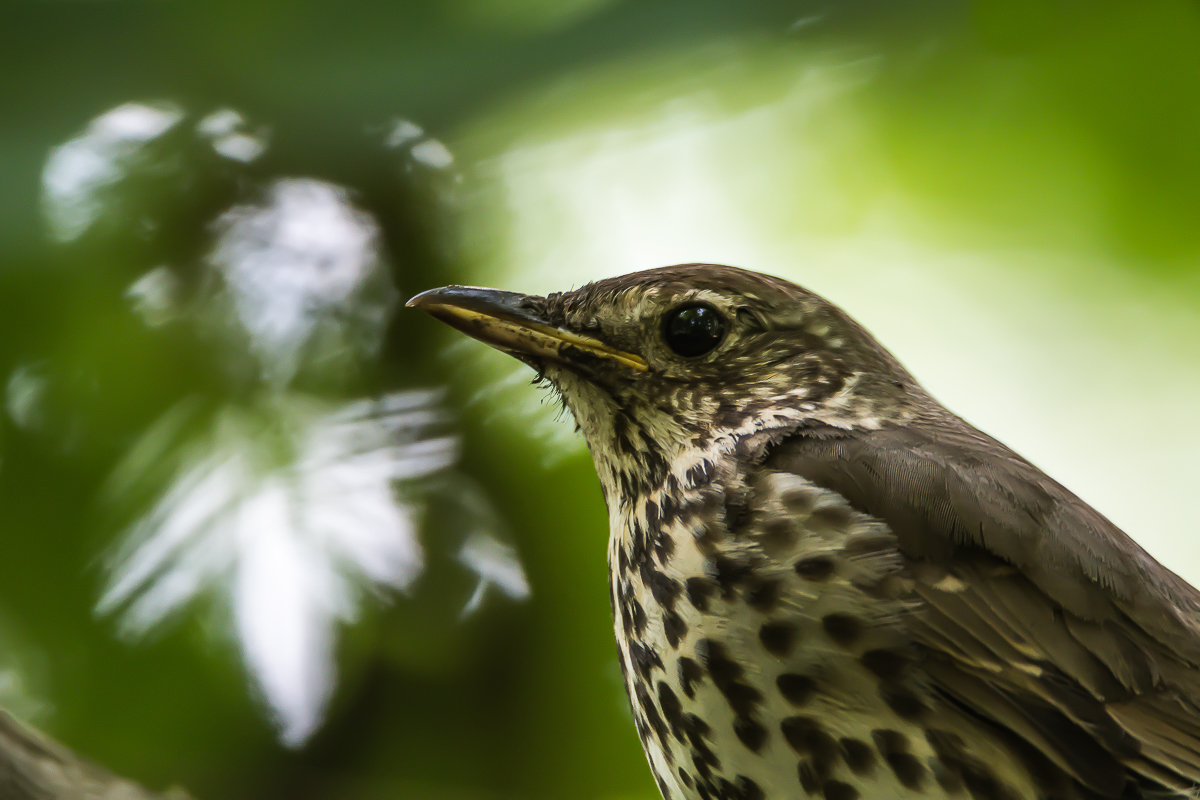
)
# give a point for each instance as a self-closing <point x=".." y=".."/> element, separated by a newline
<point x="33" y="767"/>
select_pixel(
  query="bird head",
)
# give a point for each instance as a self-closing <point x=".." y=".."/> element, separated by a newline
<point x="669" y="366"/>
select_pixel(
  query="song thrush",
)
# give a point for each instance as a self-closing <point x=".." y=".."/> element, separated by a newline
<point x="824" y="583"/>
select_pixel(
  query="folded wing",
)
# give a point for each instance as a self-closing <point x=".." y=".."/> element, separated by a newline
<point x="1037" y="613"/>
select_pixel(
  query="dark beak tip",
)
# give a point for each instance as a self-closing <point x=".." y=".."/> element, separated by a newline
<point x="473" y="298"/>
<point x="422" y="299"/>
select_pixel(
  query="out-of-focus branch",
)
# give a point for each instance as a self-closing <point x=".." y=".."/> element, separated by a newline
<point x="33" y="767"/>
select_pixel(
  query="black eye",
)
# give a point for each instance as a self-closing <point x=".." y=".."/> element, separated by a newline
<point x="693" y="330"/>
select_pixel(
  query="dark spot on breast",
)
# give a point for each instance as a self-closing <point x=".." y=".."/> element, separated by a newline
<point x="655" y="465"/>
<point x="954" y="769"/>
<point x="707" y="533"/>
<point x="807" y="737"/>
<point x="887" y="665"/>
<point x="894" y="748"/>
<point x="699" y="592"/>
<point x="671" y="708"/>
<point x="843" y="629"/>
<point x="638" y="616"/>
<point x="906" y="704"/>
<point x="748" y="789"/>
<point x="762" y="593"/>
<point x="750" y="733"/>
<point x="653" y="519"/>
<point x="622" y="560"/>
<point x="728" y="574"/>
<point x="799" y="500"/>
<point x="690" y="673"/>
<point x="725" y="788"/>
<point x="983" y="785"/>
<point x="778" y="535"/>
<point x="736" y="511"/>
<point x="664" y="547"/>
<point x="664" y="588"/>
<point x="629" y="487"/>
<point x="837" y="790"/>
<point x="796" y="689"/>
<point x="654" y="719"/>
<point x="638" y="553"/>
<point x="699" y="474"/>
<point x="777" y="637"/>
<point x="684" y="778"/>
<point x="946" y="744"/>
<point x="859" y="756"/>
<point x="710" y="506"/>
<point x="836" y="517"/>
<point x="889" y="741"/>
<point x="644" y="659"/>
<point x="697" y="729"/>
<point x="816" y="569"/>
<point x="621" y="426"/>
<point x="907" y="769"/>
<point x="727" y="677"/>
<point x="809" y="781"/>
<point x="674" y="629"/>
<point x="950" y="760"/>
<point x="948" y="777"/>
<point x="668" y="511"/>
<point x="703" y="758"/>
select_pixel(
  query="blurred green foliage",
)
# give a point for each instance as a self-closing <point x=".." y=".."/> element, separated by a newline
<point x="1062" y="126"/>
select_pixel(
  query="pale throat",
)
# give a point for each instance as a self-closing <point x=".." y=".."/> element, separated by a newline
<point x="639" y="447"/>
<point x="644" y="455"/>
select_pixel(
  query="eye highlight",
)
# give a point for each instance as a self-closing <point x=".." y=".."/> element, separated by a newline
<point x="693" y="330"/>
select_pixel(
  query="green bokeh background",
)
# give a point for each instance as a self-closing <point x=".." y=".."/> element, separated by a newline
<point x="1037" y="161"/>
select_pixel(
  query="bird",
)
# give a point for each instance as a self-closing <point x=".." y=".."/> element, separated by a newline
<point x="824" y="583"/>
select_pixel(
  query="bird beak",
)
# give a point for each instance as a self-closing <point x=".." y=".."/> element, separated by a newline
<point x="502" y="319"/>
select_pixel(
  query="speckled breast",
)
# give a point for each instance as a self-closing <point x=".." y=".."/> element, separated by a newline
<point x="762" y="642"/>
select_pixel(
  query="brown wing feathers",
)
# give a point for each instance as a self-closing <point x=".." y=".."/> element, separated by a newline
<point x="1048" y="620"/>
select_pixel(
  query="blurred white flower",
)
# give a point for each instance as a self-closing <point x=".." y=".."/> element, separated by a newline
<point x="432" y="153"/>
<point x="25" y="395"/>
<point x="155" y="296"/>
<point x="401" y="132"/>
<point x="304" y="277"/>
<point x="225" y="129"/>
<point x="77" y="172"/>
<point x="289" y="514"/>
<point x="496" y="565"/>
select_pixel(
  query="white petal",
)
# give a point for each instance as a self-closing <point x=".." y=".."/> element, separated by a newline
<point x="294" y="544"/>
<point x="286" y="598"/>
<point x="76" y="171"/>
